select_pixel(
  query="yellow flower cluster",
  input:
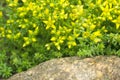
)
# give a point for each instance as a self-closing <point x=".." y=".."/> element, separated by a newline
<point x="64" y="20"/>
<point x="57" y="23"/>
<point x="104" y="13"/>
<point x="110" y="11"/>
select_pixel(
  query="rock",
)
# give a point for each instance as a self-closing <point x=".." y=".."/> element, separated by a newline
<point x="74" y="68"/>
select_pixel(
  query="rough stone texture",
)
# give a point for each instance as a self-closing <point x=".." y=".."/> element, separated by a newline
<point x="74" y="68"/>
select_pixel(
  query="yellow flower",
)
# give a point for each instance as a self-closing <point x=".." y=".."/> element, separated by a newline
<point x="117" y="22"/>
<point x="96" y="40"/>
<point x="73" y="23"/>
<point x="76" y="12"/>
<point x="53" y="31"/>
<point x="106" y="10"/>
<point x="11" y="5"/>
<point x="36" y="30"/>
<point x="16" y="1"/>
<point x="3" y="34"/>
<point x="22" y="26"/>
<point x="58" y="33"/>
<point x="66" y="3"/>
<point x="86" y="34"/>
<point x="7" y="0"/>
<point x="10" y="21"/>
<point x="110" y="17"/>
<point x="53" y="39"/>
<point x="30" y="32"/>
<point x="57" y="45"/>
<point x="26" y="38"/>
<point x="20" y="9"/>
<point x="55" y="14"/>
<point x="51" y="4"/>
<point x="92" y="27"/>
<point x="34" y="39"/>
<point x="62" y="14"/>
<point x="22" y="14"/>
<point x="71" y="43"/>
<point x="103" y="28"/>
<point x="26" y="20"/>
<point x="31" y="6"/>
<point x="98" y="2"/>
<point x="61" y="1"/>
<point x="1" y="14"/>
<point x="92" y="37"/>
<point x="39" y="15"/>
<point x="48" y="46"/>
<point x="97" y="33"/>
<point x="74" y="43"/>
<point x="85" y="25"/>
<point x="9" y="36"/>
<point x="46" y="11"/>
<point x="61" y="39"/>
<point x="70" y="38"/>
<point x="2" y="29"/>
<point x="9" y="31"/>
<point x="117" y="26"/>
<point x="79" y="10"/>
<point x="35" y="13"/>
<point x="92" y="5"/>
<point x="26" y="43"/>
<point x="50" y="23"/>
<point x="24" y="1"/>
<point x="68" y="30"/>
<point x="17" y="35"/>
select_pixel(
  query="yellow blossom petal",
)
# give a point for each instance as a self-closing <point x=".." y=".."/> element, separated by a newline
<point x="34" y="39"/>
<point x="96" y="40"/>
<point x="1" y="14"/>
<point x="53" y="39"/>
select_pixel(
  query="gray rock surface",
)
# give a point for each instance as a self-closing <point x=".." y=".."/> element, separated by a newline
<point x="74" y="68"/>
